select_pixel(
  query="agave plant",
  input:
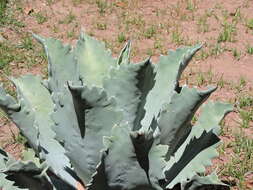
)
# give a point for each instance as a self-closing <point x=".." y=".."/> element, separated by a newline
<point x="111" y="124"/>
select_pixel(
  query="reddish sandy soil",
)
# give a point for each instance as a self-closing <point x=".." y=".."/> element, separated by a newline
<point x="133" y="18"/>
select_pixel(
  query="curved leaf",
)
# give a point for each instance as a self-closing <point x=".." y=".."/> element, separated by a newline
<point x="93" y="59"/>
<point x="34" y="121"/>
<point x="16" y="175"/>
<point x="99" y="116"/>
<point x="137" y="79"/>
<point x="217" y="110"/>
<point x="99" y="179"/>
<point x="199" y="147"/>
<point x="175" y="118"/>
<point x="210" y="181"/>
<point x="122" y="167"/>
<point x="168" y="71"/>
<point x="62" y="66"/>
<point x="191" y="160"/>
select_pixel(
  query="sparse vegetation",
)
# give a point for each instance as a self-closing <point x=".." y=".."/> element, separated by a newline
<point x="101" y="26"/>
<point x="68" y="19"/>
<point x="250" y="50"/>
<point x="150" y="32"/>
<point x="240" y="163"/>
<point x="225" y="33"/>
<point x="121" y="37"/>
<point x="250" y="24"/>
<point x="102" y="5"/>
<point x="228" y="33"/>
<point x="176" y="37"/>
<point x="236" y="53"/>
<point x="3" y="5"/>
<point x="190" y="5"/>
<point x="203" y="26"/>
<point x="40" y="17"/>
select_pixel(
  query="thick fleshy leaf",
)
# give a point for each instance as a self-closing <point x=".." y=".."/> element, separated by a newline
<point x="34" y="121"/>
<point x="168" y="71"/>
<point x="99" y="179"/>
<point x="150" y="155"/>
<point x="21" y="115"/>
<point x="199" y="147"/>
<point x="175" y="117"/>
<point x="99" y="115"/>
<point x="142" y="142"/>
<point x="157" y="162"/>
<point x="204" y="182"/>
<point x="41" y="106"/>
<point x="217" y="111"/>
<point x="62" y="66"/>
<point x="122" y="167"/>
<point x="137" y="80"/>
<point x="191" y="160"/>
<point x="93" y="59"/>
<point x="16" y="175"/>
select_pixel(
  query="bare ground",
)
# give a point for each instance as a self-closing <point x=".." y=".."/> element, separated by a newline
<point x="154" y="26"/>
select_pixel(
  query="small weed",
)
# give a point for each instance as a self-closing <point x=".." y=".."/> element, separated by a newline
<point x="70" y="34"/>
<point x="176" y="37"/>
<point x="150" y="32"/>
<point x="202" y="55"/>
<point x="237" y="16"/>
<point x="250" y="50"/>
<point x="225" y="14"/>
<point x="200" y="78"/>
<point x="7" y="55"/>
<point x="209" y="76"/>
<point x="150" y="52"/>
<point x="221" y="82"/>
<point x="55" y="29"/>
<point x="216" y="50"/>
<point x="240" y="161"/>
<point x="136" y="21"/>
<point x="227" y="35"/>
<point x="236" y="53"/>
<point x="245" y="101"/>
<point x="68" y="19"/>
<point x="202" y="24"/>
<point x="190" y="5"/>
<point x="101" y="26"/>
<point x="121" y="37"/>
<point x="158" y="45"/>
<point x="15" y="22"/>
<point x="3" y="6"/>
<point x="250" y="24"/>
<point x="40" y="18"/>
<point x="7" y="18"/>
<point x="242" y="82"/>
<point x="102" y="5"/>
<point x="25" y="53"/>
<point x="246" y="117"/>
<point x="50" y="2"/>
<point x="27" y="43"/>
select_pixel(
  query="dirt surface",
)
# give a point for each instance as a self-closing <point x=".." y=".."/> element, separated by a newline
<point x="223" y="27"/>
